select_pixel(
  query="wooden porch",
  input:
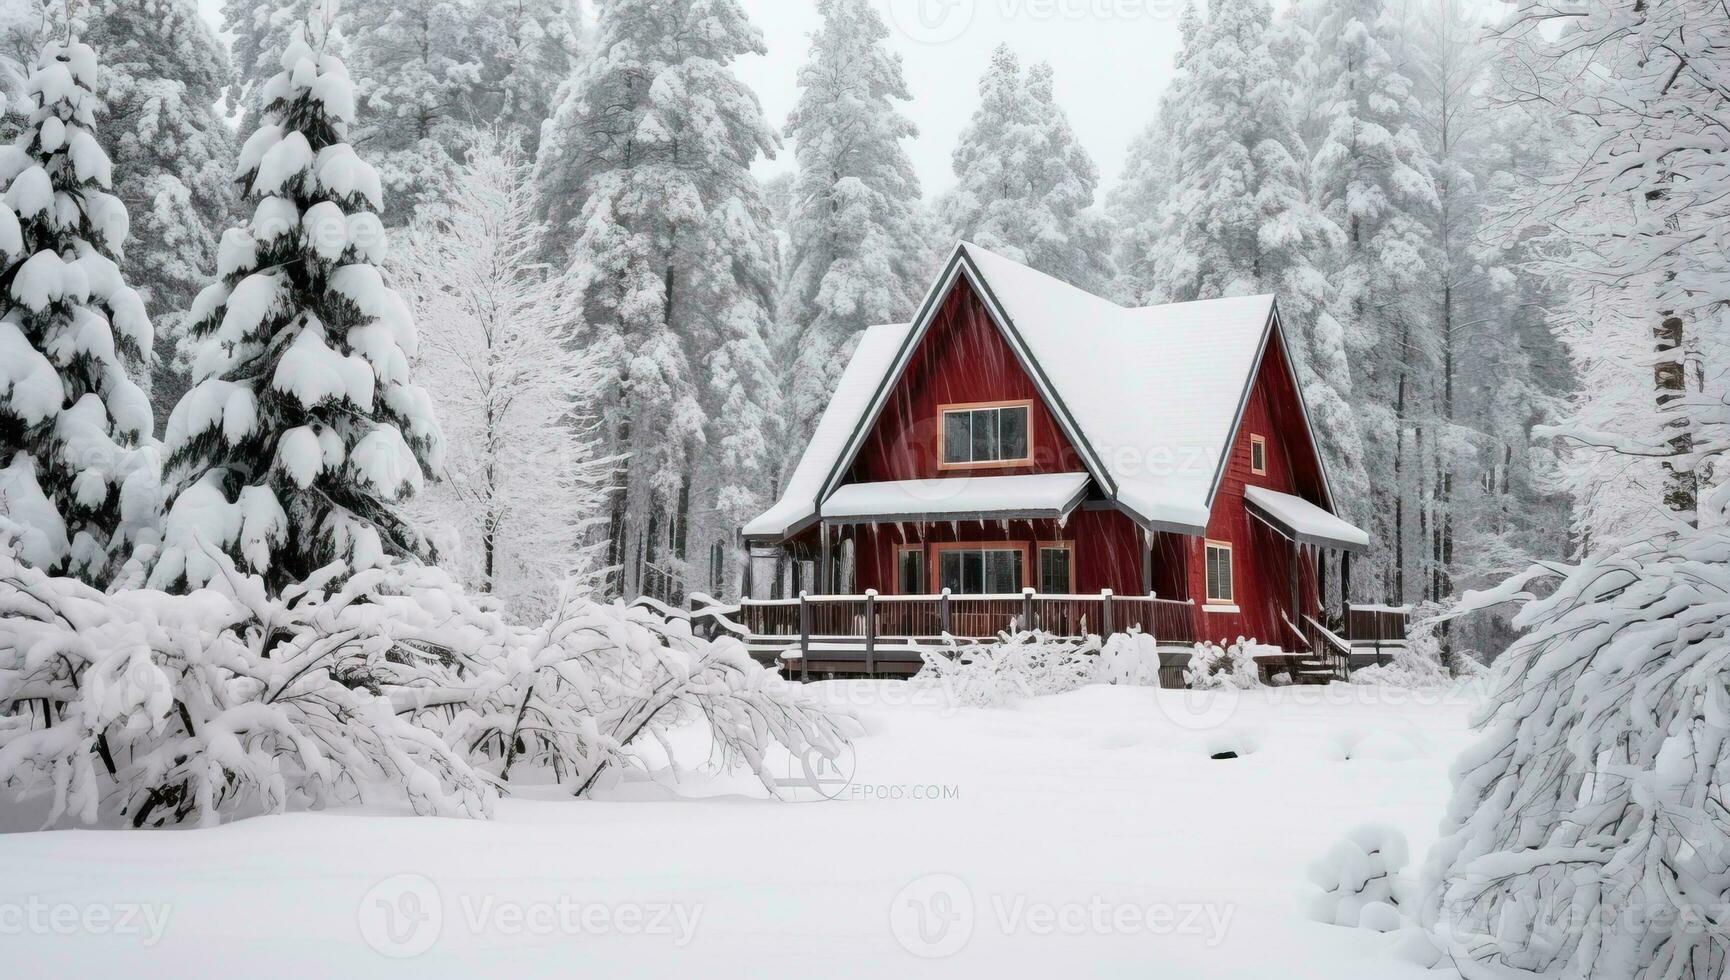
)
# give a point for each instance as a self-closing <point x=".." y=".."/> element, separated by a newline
<point x="871" y="635"/>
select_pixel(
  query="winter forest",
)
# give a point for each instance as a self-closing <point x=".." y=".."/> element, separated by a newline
<point x="361" y="361"/>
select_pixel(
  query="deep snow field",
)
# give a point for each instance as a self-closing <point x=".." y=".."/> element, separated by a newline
<point x="1086" y="834"/>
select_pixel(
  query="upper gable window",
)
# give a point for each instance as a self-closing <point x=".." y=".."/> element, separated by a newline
<point x="989" y="434"/>
<point x="1258" y="455"/>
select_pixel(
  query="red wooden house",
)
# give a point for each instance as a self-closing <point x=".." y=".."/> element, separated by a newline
<point x="1048" y="458"/>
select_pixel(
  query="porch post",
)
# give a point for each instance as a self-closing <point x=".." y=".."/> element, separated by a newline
<point x="1105" y="612"/>
<point x="804" y="638"/>
<point x="1346" y="587"/>
<point x="871" y="632"/>
<point x="1322" y="582"/>
<point x="1146" y="563"/>
<point x="824" y="583"/>
<point x="1292" y="565"/>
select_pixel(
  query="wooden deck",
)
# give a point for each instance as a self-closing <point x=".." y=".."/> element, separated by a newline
<point x="875" y="636"/>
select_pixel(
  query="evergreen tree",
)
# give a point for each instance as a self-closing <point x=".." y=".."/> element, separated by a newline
<point x="302" y="431"/>
<point x="854" y="257"/>
<point x="418" y="71"/>
<point x="1372" y="176"/>
<point x="163" y="71"/>
<point x="645" y="171"/>
<point x="261" y="29"/>
<point x="78" y="472"/>
<point x="1025" y="185"/>
<point x="527" y="49"/>
<point x="523" y="485"/>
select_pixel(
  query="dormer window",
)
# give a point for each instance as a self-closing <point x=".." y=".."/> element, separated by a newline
<point x="1258" y="455"/>
<point x="989" y="434"/>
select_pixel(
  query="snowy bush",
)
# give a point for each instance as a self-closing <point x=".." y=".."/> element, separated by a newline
<point x="1023" y="665"/>
<point x="146" y="709"/>
<point x="582" y="692"/>
<point x="1587" y="830"/>
<point x="1214" y="667"/>
<point x="380" y="684"/>
<point x="1129" y="658"/>
<point x="1360" y="880"/>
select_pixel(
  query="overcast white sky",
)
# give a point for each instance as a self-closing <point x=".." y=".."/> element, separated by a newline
<point x="1112" y="57"/>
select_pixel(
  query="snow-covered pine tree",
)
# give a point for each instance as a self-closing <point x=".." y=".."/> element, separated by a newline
<point x="417" y="68"/>
<point x="854" y="256"/>
<point x="527" y="49"/>
<point x="645" y="171"/>
<point x="523" y="483"/>
<point x="302" y="432"/>
<point x="162" y="75"/>
<point x="78" y="470"/>
<point x="261" y="29"/>
<point x="1373" y="177"/>
<point x="1025" y="186"/>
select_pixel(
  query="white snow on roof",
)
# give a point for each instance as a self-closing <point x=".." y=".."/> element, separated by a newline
<point x="1155" y="390"/>
<point x="1039" y="495"/>
<point x="1306" y="519"/>
<point x="871" y="361"/>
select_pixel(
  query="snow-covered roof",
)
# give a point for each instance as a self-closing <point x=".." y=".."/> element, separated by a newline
<point x="797" y="507"/>
<point x="1305" y="521"/>
<point x="1150" y="397"/>
<point x="958" y="498"/>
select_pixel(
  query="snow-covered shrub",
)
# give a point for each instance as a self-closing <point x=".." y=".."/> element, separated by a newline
<point x="379" y="684"/>
<point x="1129" y="658"/>
<point x="1587" y="831"/>
<point x="1023" y="665"/>
<point x="143" y="708"/>
<point x="1213" y="667"/>
<point x="1360" y="880"/>
<point x="591" y="685"/>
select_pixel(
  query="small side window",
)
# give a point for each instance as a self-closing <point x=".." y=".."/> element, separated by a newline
<point x="1219" y="572"/>
<point x="910" y="573"/>
<point x="1258" y="455"/>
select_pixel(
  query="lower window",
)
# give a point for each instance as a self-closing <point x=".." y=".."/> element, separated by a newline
<point x="910" y="571"/>
<point x="1054" y="571"/>
<point x="980" y="571"/>
<point x="1219" y="573"/>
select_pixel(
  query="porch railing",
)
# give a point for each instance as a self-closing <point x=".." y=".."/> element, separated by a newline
<point x="967" y="616"/>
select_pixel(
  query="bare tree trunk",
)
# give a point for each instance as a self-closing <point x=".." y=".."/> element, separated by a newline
<point x="1670" y="382"/>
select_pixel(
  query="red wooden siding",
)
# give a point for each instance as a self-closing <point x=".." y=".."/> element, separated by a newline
<point x="962" y="359"/>
<point x="1105" y="555"/>
<point x="1260" y="557"/>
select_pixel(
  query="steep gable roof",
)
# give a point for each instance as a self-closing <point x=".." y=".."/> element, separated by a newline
<point x="1150" y="397"/>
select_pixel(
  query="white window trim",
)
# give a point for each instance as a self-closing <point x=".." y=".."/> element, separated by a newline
<point x="1219" y="602"/>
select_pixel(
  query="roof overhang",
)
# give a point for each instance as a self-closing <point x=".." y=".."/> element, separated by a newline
<point x="1302" y="521"/>
<point x="1044" y="496"/>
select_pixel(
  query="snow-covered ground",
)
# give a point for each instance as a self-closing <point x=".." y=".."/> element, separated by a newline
<point x="1086" y="834"/>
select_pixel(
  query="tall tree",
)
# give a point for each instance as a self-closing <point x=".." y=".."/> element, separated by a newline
<point x="77" y="467"/>
<point x="163" y="72"/>
<point x="645" y="171"/>
<point x="418" y="70"/>
<point x="1373" y="177"/>
<point x="261" y="29"/>
<point x="523" y="484"/>
<point x="302" y="433"/>
<point x="527" y="49"/>
<point x="854" y="256"/>
<point x="1025" y="186"/>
